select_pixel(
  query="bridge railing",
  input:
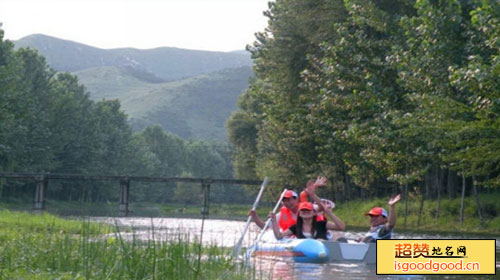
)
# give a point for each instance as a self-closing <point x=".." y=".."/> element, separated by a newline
<point x="42" y="179"/>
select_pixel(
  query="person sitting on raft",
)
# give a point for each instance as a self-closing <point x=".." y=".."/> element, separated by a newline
<point x="381" y="224"/>
<point x="287" y="216"/>
<point x="307" y="225"/>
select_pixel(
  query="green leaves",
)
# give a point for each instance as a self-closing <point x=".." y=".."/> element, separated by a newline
<point x="387" y="89"/>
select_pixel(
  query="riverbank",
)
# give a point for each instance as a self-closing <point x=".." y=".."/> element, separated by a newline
<point x="350" y="212"/>
<point x="44" y="246"/>
<point x="447" y="220"/>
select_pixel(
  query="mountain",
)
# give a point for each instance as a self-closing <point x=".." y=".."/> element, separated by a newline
<point x="166" y="63"/>
<point x="193" y="108"/>
<point x="189" y="93"/>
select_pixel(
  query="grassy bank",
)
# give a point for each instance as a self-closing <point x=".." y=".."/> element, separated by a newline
<point x="137" y="209"/>
<point x="350" y="212"/>
<point x="12" y="224"/>
<point x="47" y="247"/>
<point x="447" y="221"/>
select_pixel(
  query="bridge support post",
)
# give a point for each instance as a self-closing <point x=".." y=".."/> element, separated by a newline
<point x="41" y="185"/>
<point x="124" y="193"/>
<point x="205" y="209"/>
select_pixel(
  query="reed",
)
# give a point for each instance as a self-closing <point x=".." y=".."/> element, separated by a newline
<point x="47" y="247"/>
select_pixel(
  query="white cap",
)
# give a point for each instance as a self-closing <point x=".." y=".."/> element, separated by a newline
<point x="326" y="202"/>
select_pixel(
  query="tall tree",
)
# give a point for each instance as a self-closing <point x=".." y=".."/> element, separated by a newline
<point x="296" y="29"/>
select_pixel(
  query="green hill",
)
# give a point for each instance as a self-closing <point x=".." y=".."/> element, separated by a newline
<point x="190" y="93"/>
<point x="112" y="82"/>
<point x="166" y="63"/>
<point x="196" y="107"/>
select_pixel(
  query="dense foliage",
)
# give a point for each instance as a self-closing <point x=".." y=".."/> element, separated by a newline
<point x="49" y="124"/>
<point x="375" y="95"/>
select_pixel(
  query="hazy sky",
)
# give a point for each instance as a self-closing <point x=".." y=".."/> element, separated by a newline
<point x="218" y="25"/>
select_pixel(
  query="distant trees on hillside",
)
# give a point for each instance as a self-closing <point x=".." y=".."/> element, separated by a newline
<point x="49" y="124"/>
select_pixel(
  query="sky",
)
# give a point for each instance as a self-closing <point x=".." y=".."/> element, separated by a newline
<point x="214" y="25"/>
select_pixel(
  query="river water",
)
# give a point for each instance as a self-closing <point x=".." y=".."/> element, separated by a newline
<point x="226" y="233"/>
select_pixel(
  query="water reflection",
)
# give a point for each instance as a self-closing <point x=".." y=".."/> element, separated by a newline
<point x="221" y="232"/>
<point x="305" y="271"/>
<point x="226" y="233"/>
<point x="301" y="271"/>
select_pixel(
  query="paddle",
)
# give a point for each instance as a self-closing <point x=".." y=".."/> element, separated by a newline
<point x="237" y="247"/>
<point x="268" y="222"/>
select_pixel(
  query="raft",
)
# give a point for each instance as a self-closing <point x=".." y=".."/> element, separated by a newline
<point x="315" y="251"/>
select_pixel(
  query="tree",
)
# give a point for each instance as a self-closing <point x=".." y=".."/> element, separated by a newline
<point x="285" y="141"/>
<point x="476" y="151"/>
<point x="169" y="151"/>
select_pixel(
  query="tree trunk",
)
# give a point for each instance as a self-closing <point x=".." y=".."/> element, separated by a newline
<point x="437" y="184"/>
<point x="462" y="201"/>
<point x="338" y="195"/>
<point x="476" y="196"/>
<point x="347" y="185"/>
<point x="68" y="195"/>
<point x="2" y="183"/>
<point x="451" y="184"/>
<point x="421" y="205"/>
<point x="428" y="185"/>
<point x="406" y="202"/>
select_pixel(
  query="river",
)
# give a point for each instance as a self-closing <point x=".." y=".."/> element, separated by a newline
<point x="226" y="233"/>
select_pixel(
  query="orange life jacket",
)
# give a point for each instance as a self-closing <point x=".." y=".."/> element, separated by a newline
<point x="303" y="197"/>
<point x="286" y="219"/>
<point x="321" y="218"/>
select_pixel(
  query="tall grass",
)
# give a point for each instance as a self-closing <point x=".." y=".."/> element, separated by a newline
<point x="45" y="247"/>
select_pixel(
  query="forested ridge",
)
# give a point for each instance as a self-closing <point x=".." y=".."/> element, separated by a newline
<point x="380" y="96"/>
<point x="50" y="125"/>
<point x="187" y="92"/>
<point x="162" y="64"/>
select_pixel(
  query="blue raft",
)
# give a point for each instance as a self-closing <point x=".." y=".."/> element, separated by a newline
<point x="301" y="250"/>
<point x="315" y="251"/>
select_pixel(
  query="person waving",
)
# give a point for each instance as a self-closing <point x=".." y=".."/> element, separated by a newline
<point x="307" y="225"/>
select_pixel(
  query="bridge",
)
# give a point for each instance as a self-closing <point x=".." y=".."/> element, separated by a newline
<point x="42" y="179"/>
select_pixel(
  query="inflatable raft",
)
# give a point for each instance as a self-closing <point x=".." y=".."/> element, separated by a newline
<point x="314" y="251"/>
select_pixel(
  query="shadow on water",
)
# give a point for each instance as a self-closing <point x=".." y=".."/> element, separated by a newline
<point x="226" y="233"/>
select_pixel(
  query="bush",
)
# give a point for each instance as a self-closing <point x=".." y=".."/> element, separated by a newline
<point x="450" y="207"/>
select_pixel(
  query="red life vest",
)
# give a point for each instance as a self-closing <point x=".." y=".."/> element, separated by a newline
<point x="321" y="218"/>
<point x="303" y="197"/>
<point x="286" y="219"/>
